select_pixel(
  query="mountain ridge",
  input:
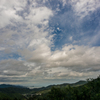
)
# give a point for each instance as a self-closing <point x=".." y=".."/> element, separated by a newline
<point x="81" y="82"/>
<point x="10" y="85"/>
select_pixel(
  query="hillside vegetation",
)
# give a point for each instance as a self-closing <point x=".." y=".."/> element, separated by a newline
<point x="88" y="91"/>
<point x="82" y="90"/>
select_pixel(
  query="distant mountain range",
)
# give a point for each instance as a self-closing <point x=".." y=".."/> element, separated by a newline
<point x="17" y="92"/>
<point x="8" y="86"/>
<point x="81" y="82"/>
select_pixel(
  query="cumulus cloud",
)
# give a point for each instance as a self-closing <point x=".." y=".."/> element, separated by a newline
<point x="77" y="56"/>
<point x="23" y="32"/>
<point x="71" y="62"/>
<point x="19" y="31"/>
<point x="11" y="66"/>
<point x="39" y="15"/>
<point x="8" y="10"/>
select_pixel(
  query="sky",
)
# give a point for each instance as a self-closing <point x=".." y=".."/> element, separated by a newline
<point x="45" y="42"/>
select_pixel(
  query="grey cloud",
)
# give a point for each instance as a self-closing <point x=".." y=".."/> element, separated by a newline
<point x="80" y="56"/>
<point x="71" y="61"/>
<point x="13" y="67"/>
<point x="39" y="55"/>
<point x="8" y="79"/>
<point x="71" y="56"/>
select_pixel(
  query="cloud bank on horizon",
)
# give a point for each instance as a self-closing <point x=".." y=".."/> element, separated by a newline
<point x="49" y="41"/>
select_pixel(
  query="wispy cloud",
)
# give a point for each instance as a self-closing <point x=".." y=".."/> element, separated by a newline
<point x="84" y="8"/>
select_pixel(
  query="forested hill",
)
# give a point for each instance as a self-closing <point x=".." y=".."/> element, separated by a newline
<point x="10" y="92"/>
<point x="82" y="90"/>
<point x="88" y="91"/>
<point x="8" y="85"/>
<point x="7" y="88"/>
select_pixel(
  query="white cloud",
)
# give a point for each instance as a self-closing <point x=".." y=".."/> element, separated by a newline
<point x="29" y="32"/>
<point x="95" y="38"/>
<point x="83" y="8"/>
<point x="39" y="15"/>
<point x="8" y="11"/>
<point x="70" y="38"/>
<point x="64" y="2"/>
<point x="2" y="48"/>
<point x="40" y="54"/>
<point x="7" y="16"/>
<point x="74" y="57"/>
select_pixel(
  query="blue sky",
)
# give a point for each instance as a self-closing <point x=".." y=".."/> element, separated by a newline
<point x="45" y="42"/>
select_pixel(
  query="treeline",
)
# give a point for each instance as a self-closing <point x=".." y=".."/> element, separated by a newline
<point x="15" y="90"/>
<point x="11" y="96"/>
<point x="89" y="91"/>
